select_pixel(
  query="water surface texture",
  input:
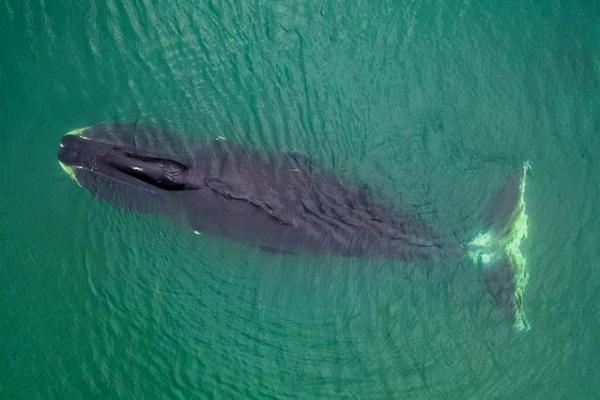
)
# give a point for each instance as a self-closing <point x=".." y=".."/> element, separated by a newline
<point x="431" y="104"/>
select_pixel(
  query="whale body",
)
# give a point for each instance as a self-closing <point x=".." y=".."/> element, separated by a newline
<point x="280" y="202"/>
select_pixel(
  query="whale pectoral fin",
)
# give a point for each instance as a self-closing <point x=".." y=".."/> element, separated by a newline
<point x="273" y="250"/>
<point x="299" y="159"/>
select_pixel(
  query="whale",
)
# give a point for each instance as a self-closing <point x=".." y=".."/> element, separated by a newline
<point x="286" y="203"/>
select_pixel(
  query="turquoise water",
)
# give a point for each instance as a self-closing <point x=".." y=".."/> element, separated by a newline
<point x="432" y="104"/>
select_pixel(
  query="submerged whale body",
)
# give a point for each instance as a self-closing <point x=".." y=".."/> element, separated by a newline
<point x="283" y="202"/>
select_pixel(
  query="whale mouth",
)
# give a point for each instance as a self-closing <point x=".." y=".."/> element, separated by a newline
<point x="69" y="169"/>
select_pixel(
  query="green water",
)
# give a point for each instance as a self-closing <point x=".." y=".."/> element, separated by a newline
<point x="433" y="104"/>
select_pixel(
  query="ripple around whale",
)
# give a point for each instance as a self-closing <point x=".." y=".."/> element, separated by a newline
<point x="430" y="104"/>
<point x="285" y="203"/>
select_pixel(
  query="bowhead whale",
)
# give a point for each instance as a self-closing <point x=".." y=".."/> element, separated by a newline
<point x="284" y="202"/>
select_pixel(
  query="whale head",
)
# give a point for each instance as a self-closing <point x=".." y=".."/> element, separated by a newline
<point x="117" y="163"/>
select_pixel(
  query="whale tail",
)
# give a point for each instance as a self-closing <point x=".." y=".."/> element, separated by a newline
<point x="498" y="249"/>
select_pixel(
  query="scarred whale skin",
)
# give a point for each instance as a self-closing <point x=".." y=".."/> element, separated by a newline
<point x="280" y="202"/>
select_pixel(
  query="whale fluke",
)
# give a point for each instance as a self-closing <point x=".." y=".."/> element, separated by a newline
<point x="498" y="250"/>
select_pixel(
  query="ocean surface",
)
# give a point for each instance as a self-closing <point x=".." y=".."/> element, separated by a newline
<point x="431" y="104"/>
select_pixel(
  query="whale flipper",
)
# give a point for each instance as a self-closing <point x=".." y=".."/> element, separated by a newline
<point x="275" y="251"/>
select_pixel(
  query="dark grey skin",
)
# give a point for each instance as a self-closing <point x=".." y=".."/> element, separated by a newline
<point x="279" y="202"/>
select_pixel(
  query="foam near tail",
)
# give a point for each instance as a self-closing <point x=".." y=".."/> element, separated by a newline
<point x="498" y="250"/>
